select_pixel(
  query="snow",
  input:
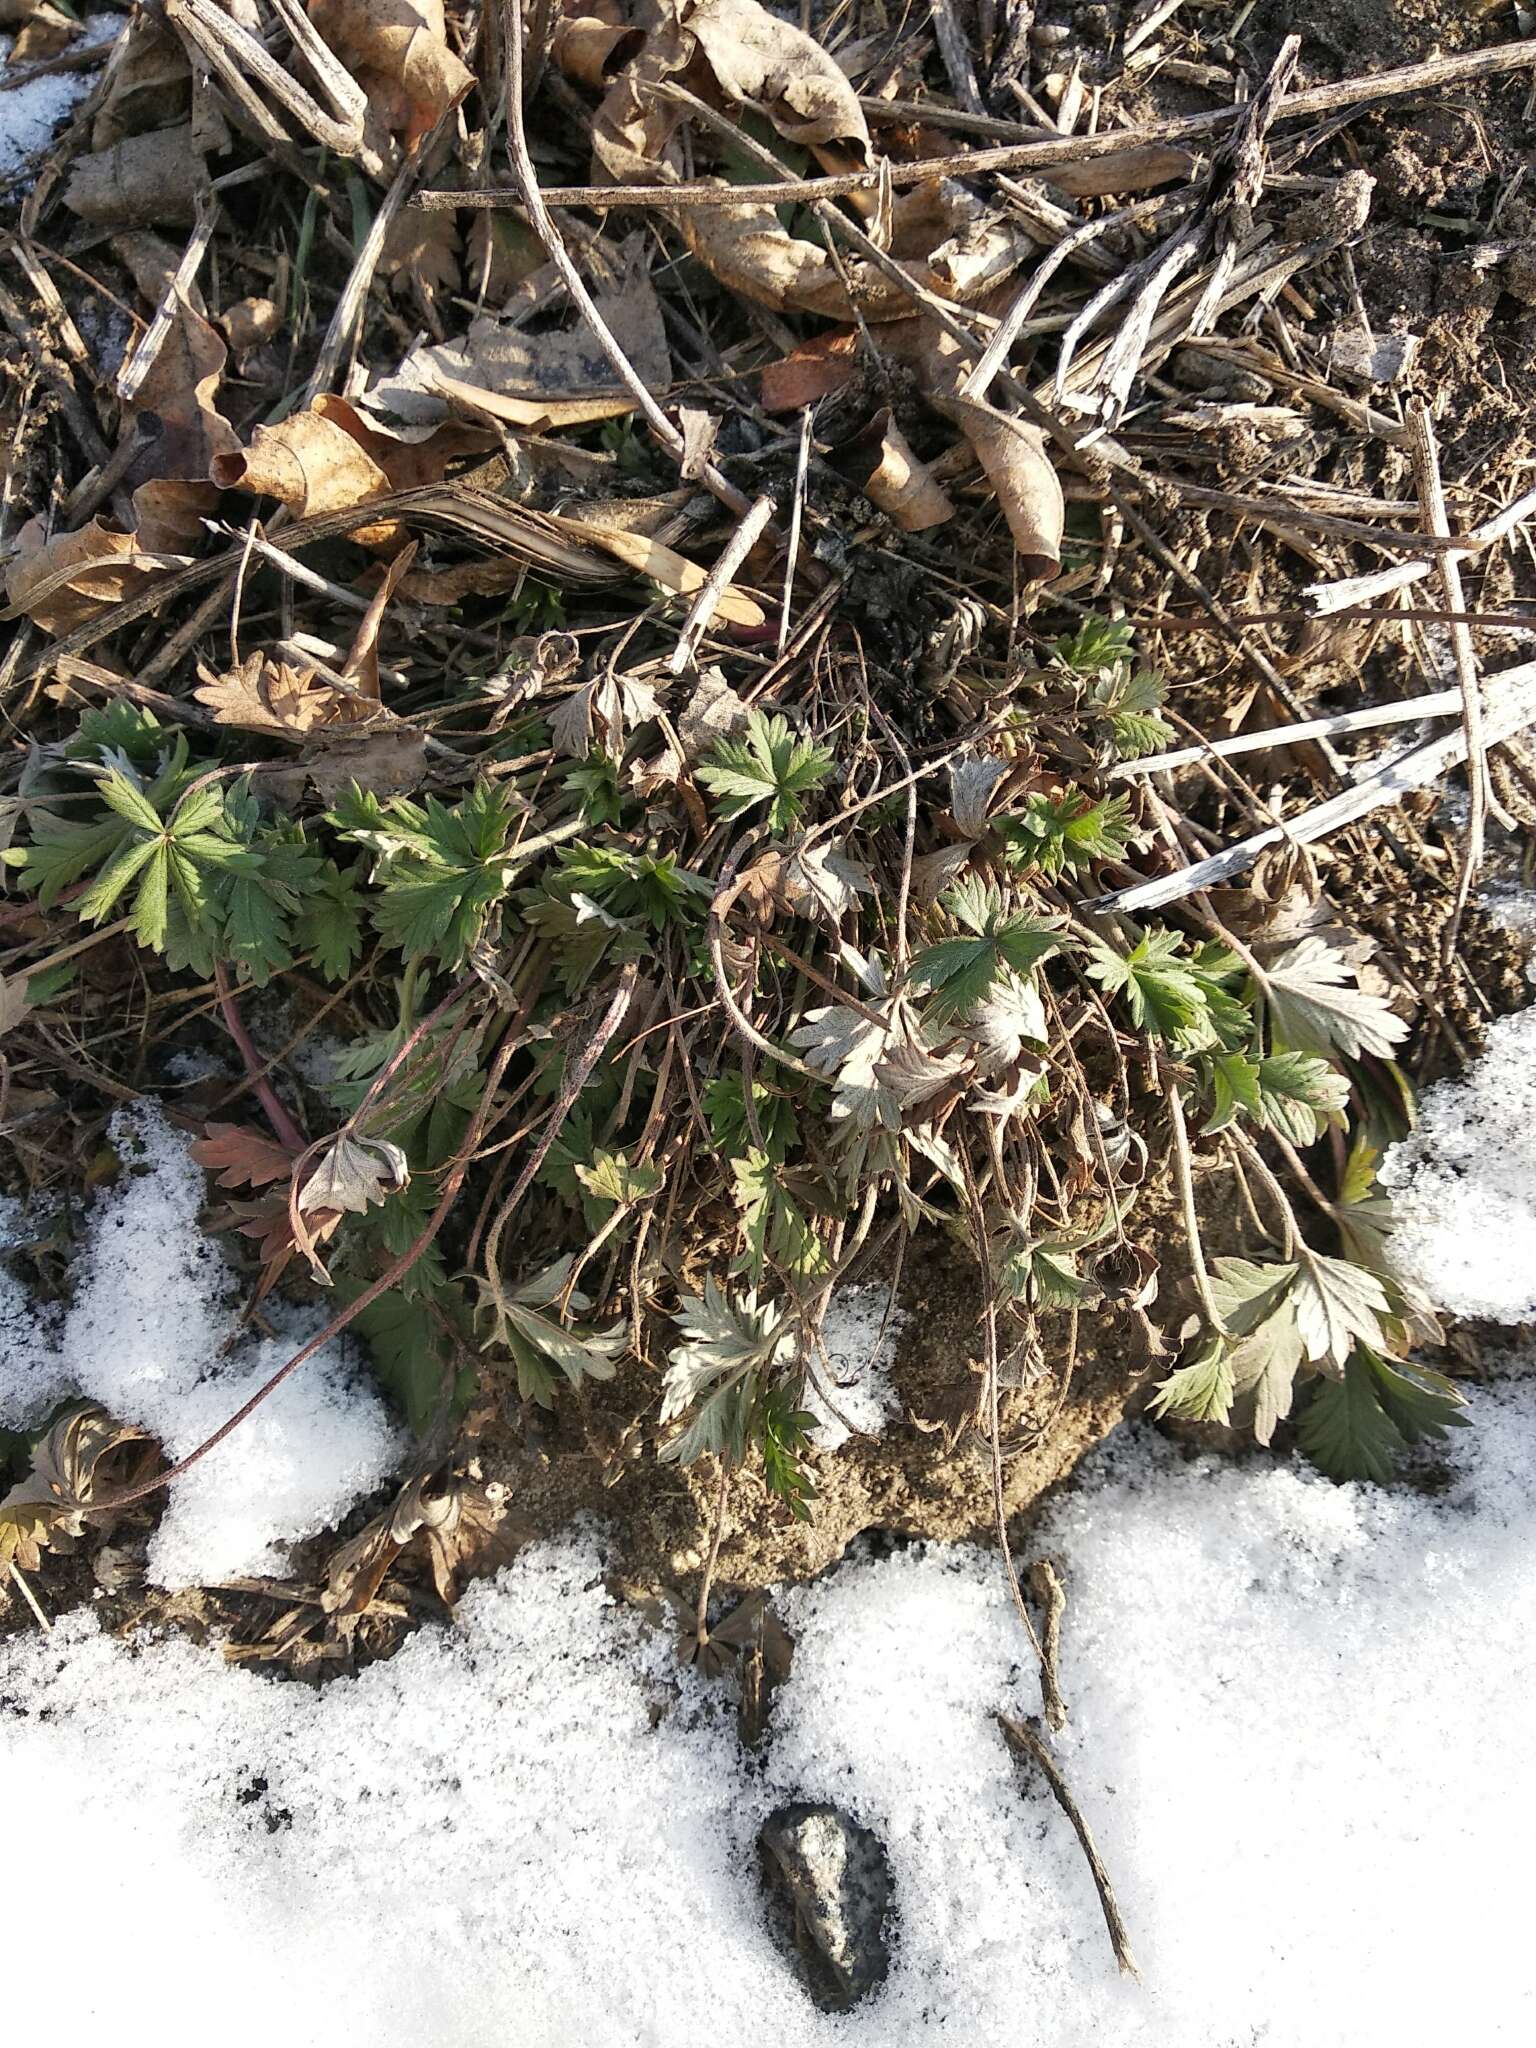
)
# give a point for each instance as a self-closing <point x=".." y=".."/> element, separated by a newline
<point x="859" y="1335"/>
<point x="153" y="1334"/>
<point x="29" y="113"/>
<point x="1301" y="1721"/>
<point x="1463" y="1186"/>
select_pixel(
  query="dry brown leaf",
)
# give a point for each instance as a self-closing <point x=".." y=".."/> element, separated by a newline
<point x="48" y="1508"/>
<point x="183" y="381"/>
<point x="422" y="249"/>
<point x="558" y="378"/>
<point x="879" y="462"/>
<point x="250" y="322"/>
<point x="239" y="1157"/>
<point x="673" y="571"/>
<point x="361" y="667"/>
<point x="1140" y="169"/>
<point x="389" y="761"/>
<point x="14" y="1005"/>
<point x="310" y="464"/>
<point x="61" y="581"/>
<point x="141" y="181"/>
<point x="1011" y="453"/>
<point x="398" y="51"/>
<point x="1028" y="491"/>
<point x="592" y="51"/>
<point x="44" y="33"/>
<point x="148" y="81"/>
<point x="761" y="62"/>
<point x="817" y="368"/>
<point x="408" y="464"/>
<point x="264" y="695"/>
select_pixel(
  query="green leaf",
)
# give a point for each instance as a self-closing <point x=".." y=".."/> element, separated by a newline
<point x="725" y="1109"/>
<point x="1057" y="833"/>
<point x="612" y="1178"/>
<point x="1248" y="1291"/>
<point x="410" y="1342"/>
<point x="960" y="973"/>
<point x="730" y="1344"/>
<point x="1234" y="1081"/>
<point x="329" y="922"/>
<point x="1097" y="644"/>
<point x="1264" y="1367"/>
<point x="1315" y="1007"/>
<point x="770" y="764"/>
<point x="1299" y="1095"/>
<point x="1359" y="1426"/>
<point x="1201" y="1391"/>
<point x="1337" y="1303"/>
<point x="1162" y="990"/>
<point x="776" y="1230"/>
<point x="541" y="1343"/>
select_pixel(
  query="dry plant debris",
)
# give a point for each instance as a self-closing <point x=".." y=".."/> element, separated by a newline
<point x="679" y="582"/>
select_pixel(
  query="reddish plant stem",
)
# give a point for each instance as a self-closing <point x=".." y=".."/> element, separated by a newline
<point x="287" y="1130"/>
<point x="387" y="1279"/>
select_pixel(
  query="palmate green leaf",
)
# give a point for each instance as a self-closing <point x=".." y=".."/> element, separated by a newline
<point x="1299" y="1095"/>
<point x="1202" y="1390"/>
<point x="1248" y="1291"/>
<point x="730" y="1344"/>
<point x="1337" y="1305"/>
<point x="440" y="867"/>
<point x="1097" y="644"/>
<point x="540" y="1343"/>
<point x="63" y="850"/>
<point x="960" y="973"/>
<point x="1265" y="1363"/>
<point x="411" y="1344"/>
<point x="1057" y="833"/>
<point x="776" y="1230"/>
<point x="770" y="764"/>
<point x="329" y="922"/>
<point x="1234" y="1085"/>
<point x="613" y="1178"/>
<point x="1160" y="987"/>
<point x="1314" y="1005"/>
<point x="1358" y="1427"/>
<point x="1044" y="1275"/>
<point x="725" y="1109"/>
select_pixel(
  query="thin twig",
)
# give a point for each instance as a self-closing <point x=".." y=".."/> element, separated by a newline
<point x="1024" y="1742"/>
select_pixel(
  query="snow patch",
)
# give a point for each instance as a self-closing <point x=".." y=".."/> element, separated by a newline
<point x="1463" y="1186"/>
<point x="860" y="1331"/>
<point x="30" y="112"/>
<point x="1300" y="1727"/>
<point x="153" y="1334"/>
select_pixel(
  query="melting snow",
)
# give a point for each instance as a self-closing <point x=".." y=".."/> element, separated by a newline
<point x="1301" y="1725"/>
<point x="859" y="1334"/>
<point x="1463" y="1186"/>
<point x="153" y="1334"/>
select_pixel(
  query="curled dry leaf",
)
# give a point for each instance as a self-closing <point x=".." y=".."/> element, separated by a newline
<point x="398" y="51"/>
<point x="60" y="581"/>
<point x="142" y="180"/>
<point x="148" y="80"/>
<point x="269" y="696"/>
<point x="182" y="382"/>
<point x="879" y="462"/>
<point x="555" y="379"/>
<point x="48" y="1508"/>
<point x="1012" y="455"/>
<point x="310" y="463"/>
<point x="592" y="51"/>
<point x="763" y="63"/>
<point x="355" y="1174"/>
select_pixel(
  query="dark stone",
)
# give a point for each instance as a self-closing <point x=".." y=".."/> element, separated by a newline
<point x="830" y="1880"/>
